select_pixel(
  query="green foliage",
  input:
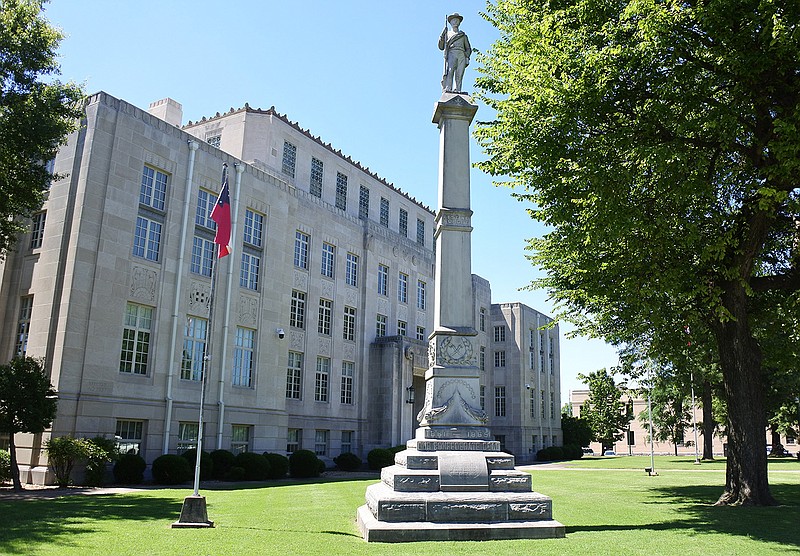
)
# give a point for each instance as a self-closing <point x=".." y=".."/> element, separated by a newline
<point x="279" y="465"/>
<point x="222" y="462"/>
<point x="575" y="430"/>
<point x="37" y="113"/>
<point x="604" y="410"/>
<point x="348" y="461"/>
<point x="378" y="458"/>
<point x="171" y="469"/>
<point x="671" y="411"/>
<point x="27" y="399"/>
<point x="551" y="453"/>
<point x="256" y="466"/>
<point x="5" y="466"/>
<point x="206" y="463"/>
<point x="63" y="453"/>
<point x="129" y="469"/>
<point x="100" y="451"/>
<point x="304" y="464"/>
<point x="236" y="474"/>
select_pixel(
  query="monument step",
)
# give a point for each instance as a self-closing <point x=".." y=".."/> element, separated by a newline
<point x="453" y="445"/>
<point x="402" y="479"/>
<point x="415" y="459"/>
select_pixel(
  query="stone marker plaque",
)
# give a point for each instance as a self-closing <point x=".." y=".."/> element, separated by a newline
<point x="463" y="471"/>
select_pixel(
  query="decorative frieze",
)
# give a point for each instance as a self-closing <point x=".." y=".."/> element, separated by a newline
<point x="143" y="283"/>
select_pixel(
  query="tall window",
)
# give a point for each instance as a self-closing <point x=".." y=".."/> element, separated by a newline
<point x="205" y="203"/>
<point x="500" y="401"/>
<point x="380" y="325"/>
<point x="349" y="330"/>
<point x="321" y="379"/>
<point x="403" y="223"/>
<point x="402" y="328"/>
<point x="147" y="238"/>
<point x="149" y="222"/>
<point x="297" y="312"/>
<point x="136" y="339"/>
<point x="421" y="333"/>
<point x="533" y="403"/>
<point x="341" y="191"/>
<point x="129" y="435"/>
<point x="324" y="321"/>
<point x="482" y="358"/>
<point x="542" y="406"/>
<point x="301" y="242"/>
<point x="153" y="190"/>
<point x="328" y="260"/>
<point x="483" y="319"/>
<point x="420" y="231"/>
<point x="347" y="441"/>
<point x="383" y="279"/>
<point x="421" y="295"/>
<point x="24" y="324"/>
<point x="483" y="397"/>
<point x="499" y="358"/>
<point x="187" y="436"/>
<point x="402" y="288"/>
<point x="384" y="212"/>
<point x="351" y="270"/>
<point x="321" y="442"/>
<point x="363" y="202"/>
<point x="499" y="333"/>
<point x="550" y="357"/>
<point x="552" y="405"/>
<point x="244" y="357"/>
<point x="240" y="438"/>
<point x="253" y="228"/>
<point x="194" y="348"/>
<point x="289" y="159"/>
<point x="294" y="439"/>
<point x="37" y="229"/>
<point x="541" y="353"/>
<point x="315" y="186"/>
<point x="294" y="375"/>
<point x="346" y="395"/>
<point x="202" y="255"/>
<point x="248" y="275"/>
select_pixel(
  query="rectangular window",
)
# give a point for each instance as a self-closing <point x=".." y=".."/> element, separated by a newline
<point x="147" y="238"/>
<point x="136" y="339"/>
<point x="499" y="358"/>
<point x="533" y="403"/>
<point x="294" y="439"/>
<point x="194" y="348"/>
<point x="129" y="436"/>
<point x="321" y="443"/>
<point x="187" y="436"/>
<point x="483" y="397"/>
<point x="294" y="375"/>
<point x="420" y="231"/>
<point x="321" y="379"/>
<point x="240" y="438"/>
<point x="500" y="401"/>
<point x="24" y="325"/>
<point x="301" y="242"/>
<point x="499" y="333"/>
<point x="380" y="325"/>
<point x="153" y="190"/>
<point x="328" y="260"/>
<point x="384" y="212"/>
<point x="401" y="327"/>
<point x="248" y="275"/>
<point x="253" y="228"/>
<point x="205" y="202"/>
<point x="383" y="279"/>
<point x="341" y="191"/>
<point x="244" y="357"/>
<point x="347" y="441"/>
<point x="421" y="333"/>
<point x="324" y="322"/>
<point x="482" y="358"/>
<point x="297" y="313"/>
<point x="351" y="270"/>
<point x="552" y="405"/>
<point x="346" y="396"/>
<point x="403" y="224"/>
<point x="202" y="255"/>
<point x="541" y="353"/>
<point x="421" y="295"/>
<point x="542" y="406"/>
<point x="315" y="186"/>
<point x="483" y="319"/>
<point x="289" y="159"/>
<point x="402" y="288"/>
<point x="37" y="229"/>
<point x="363" y="203"/>
<point x="349" y="329"/>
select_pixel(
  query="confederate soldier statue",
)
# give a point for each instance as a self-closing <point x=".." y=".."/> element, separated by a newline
<point x="456" y="54"/>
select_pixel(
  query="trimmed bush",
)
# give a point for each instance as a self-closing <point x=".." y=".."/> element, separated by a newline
<point x="5" y="466"/>
<point x="304" y="464"/>
<point x="379" y="458"/>
<point x="572" y="451"/>
<point x="235" y="474"/>
<point x="171" y="469"/>
<point x="256" y="467"/>
<point x="129" y="469"/>
<point x="551" y="453"/>
<point x="62" y="454"/>
<point x="348" y="461"/>
<point x="100" y="451"/>
<point x="206" y="463"/>
<point x="279" y="465"/>
<point x="222" y="461"/>
<point x="397" y="449"/>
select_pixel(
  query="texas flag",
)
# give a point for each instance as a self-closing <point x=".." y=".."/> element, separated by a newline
<point x="221" y="214"/>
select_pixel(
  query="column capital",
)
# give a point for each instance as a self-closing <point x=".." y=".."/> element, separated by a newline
<point x="454" y="105"/>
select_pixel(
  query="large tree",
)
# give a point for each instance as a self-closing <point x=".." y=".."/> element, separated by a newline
<point x="659" y="142"/>
<point x="37" y="112"/>
<point x="27" y="403"/>
<point x="604" y="410"/>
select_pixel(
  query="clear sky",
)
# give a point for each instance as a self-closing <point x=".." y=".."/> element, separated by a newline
<point x="364" y="76"/>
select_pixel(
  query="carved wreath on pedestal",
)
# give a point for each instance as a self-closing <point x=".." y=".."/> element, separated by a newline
<point x="455" y="350"/>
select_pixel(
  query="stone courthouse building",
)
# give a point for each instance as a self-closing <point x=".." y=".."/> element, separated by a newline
<point x="321" y="314"/>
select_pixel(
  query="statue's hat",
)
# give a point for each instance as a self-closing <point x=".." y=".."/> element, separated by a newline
<point x="455" y="16"/>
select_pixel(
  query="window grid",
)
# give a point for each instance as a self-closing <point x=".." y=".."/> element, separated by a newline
<point x="552" y="405"/>
<point x="240" y="438"/>
<point x="421" y="295"/>
<point x="542" y="405"/>
<point x="147" y="238"/>
<point x="24" y="324"/>
<point x="324" y="321"/>
<point x="401" y="327"/>
<point x="328" y="260"/>
<point x="499" y="358"/>
<point x="289" y="159"/>
<point x="321" y="442"/>
<point x="380" y="325"/>
<point x="37" y="229"/>
<point x="384" y="212"/>
<point x="483" y="319"/>
<point x="194" y="348"/>
<point x="500" y="401"/>
<point x="187" y="436"/>
<point x="136" y="339"/>
<point x="349" y="329"/>
<point x="244" y="357"/>
<point x="402" y="287"/>
<point x="301" y="243"/>
<point x="315" y="186"/>
<point x="383" y="279"/>
<point x="363" y="202"/>
<point x="421" y="333"/>
<point x="294" y="375"/>
<point x="346" y="394"/>
<point x="482" y="358"/>
<point x="403" y="224"/>
<point x="321" y="379"/>
<point x="420" y="231"/>
<point x="205" y="203"/>
<point x="253" y="228"/>
<point x="499" y="333"/>
<point x="347" y="441"/>
<point x="297" y="313"/>
<point x="153" y="190"/>
<point x="341" y="191"/>
<point x="351" y="270"/>
<point x="483" y="397"/>
<point x="129" y="435"/>
<point x="248" y="275"/>
<point x="202" y="256"/>
<point x="294" y="439"/>
<point x="533" y="403"/>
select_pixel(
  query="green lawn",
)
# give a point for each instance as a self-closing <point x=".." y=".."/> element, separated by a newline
<point x="606" y="511"/>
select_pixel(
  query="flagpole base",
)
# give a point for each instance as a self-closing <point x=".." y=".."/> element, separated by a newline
<point x="193" y="514"/>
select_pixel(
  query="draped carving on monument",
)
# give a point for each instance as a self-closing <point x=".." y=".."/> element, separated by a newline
<point x="199" y="295"/>
<point x="248" y="310"/>
<point x="143" y="283"/>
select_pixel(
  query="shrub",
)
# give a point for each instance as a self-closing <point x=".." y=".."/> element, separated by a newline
<point x="171" y="469"/>
<point x="62" y="454"/>
<point x="348" y="461"/>
<point x="304" y="464"/>
<point x="5" y="466"/>
<point x="279" y="465"/>
<point x="235" y="474"/>
<point x="256" y="467"/>
<point x="572" y="451"/>
<point x="206" y="463"/>
<point x="222" y="461"/>
<point x="551" y="453"/>
<point x="379" y="458"/>
<point x="100" y="451"/>
<point x="397" y="449"/>
<point x="129" y="469"/>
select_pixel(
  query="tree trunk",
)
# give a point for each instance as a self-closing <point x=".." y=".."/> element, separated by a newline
<point x="708" y="421"/>
<point x="675" y="444"/>
<point x="12" y="450"/>
<point x="746" y="481"/>
<point x="775" y="439"/>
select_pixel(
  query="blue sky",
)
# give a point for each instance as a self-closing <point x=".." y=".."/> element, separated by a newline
<point x="362" y="75"/>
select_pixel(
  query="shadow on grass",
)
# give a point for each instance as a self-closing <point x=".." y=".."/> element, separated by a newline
<point x="55" y="520"/>
<point x="776" y="524"/>
<point x="250" y="485"/>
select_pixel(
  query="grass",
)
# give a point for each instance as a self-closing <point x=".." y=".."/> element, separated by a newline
<point x="606" y="511"/>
